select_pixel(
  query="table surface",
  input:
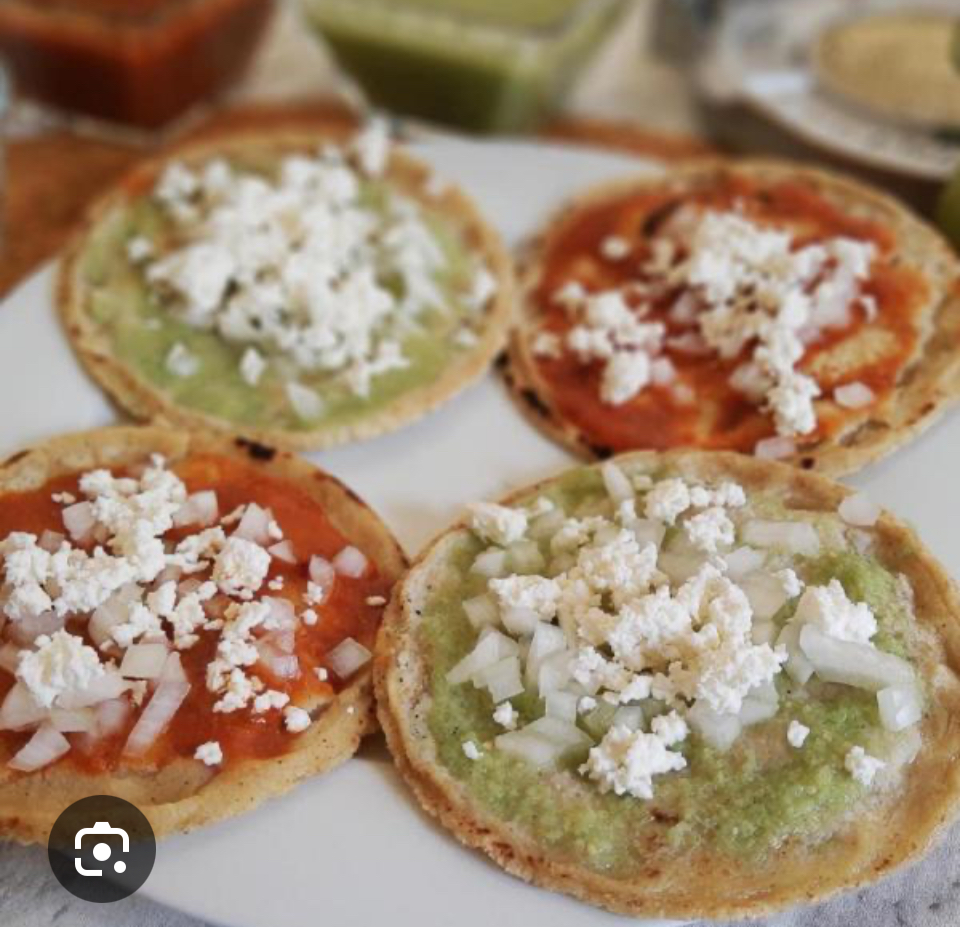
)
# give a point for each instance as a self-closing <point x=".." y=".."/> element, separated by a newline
<point x="626" y="100"/>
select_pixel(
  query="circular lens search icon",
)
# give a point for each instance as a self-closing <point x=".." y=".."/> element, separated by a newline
<point x="102" y="849"/>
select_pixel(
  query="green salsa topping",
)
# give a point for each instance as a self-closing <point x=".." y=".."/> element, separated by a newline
<point x="142" y="329"/>
<point x="742" y="802"/>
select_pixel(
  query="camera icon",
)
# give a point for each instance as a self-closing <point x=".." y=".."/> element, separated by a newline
<point x="101" y="850"/>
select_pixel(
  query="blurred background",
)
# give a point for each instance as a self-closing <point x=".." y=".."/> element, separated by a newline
<point x="90" y="86"/>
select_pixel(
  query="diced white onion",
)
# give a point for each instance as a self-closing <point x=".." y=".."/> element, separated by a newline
<point x="798" y="667"/>
<point x="798" y="537"/>
<point x="490" y="563"/>
<point x="111" y="716"/>
<point x="744" y="560"/>
<point x="254" y="525"/>
<point x="350" y="562"/>
<point x="531" y="748"/>
<point x="324" y="575"/>
<point x="160" y="710"/>
<point x="282" y="616"/>
<point x="618" y="486"/>
<point x="143" y="661"/>
<point x="519" y="622"/>
<point x="25" y="631"/>
<point x="279" y="663"/>
<point x="282" y="639"/>
<point x="20" y="709"/>
<point x="764" y="632"/>
<point x="904" y="750"/>
<point x="79" y="521"/>
<point x="44" y="748"/>
<point x="51" y="541"/>
<point x="502" y="679"/>
<point x="853" y="395"/>
<point x="564" y="733"/>
<point x="547" y="639"/>
<point x="306" y="403"/>
<point x="853" y="664"/>
<point x="109" y="685"/>
<point x="662" y="371"/>
<point x="765" y="594"/>
<point x="755" y="710"/>
<point x="628" y="716"/>
<point x="83" y="720"/>
<point x="481" y="611"/>
<point x="283" y="550"/>
<point x="679" y="566"/>
<point x="562" y="705"/>
<point x="169" y="574"/>
<point x="524" y="557"/>
<point x="859" y="510"/>
<point x="199" y="508"/>
<point x="546" y="525"/>
<point x="691" y="343"/>
<point x="648" y="531"/>
<point x="106" y="617"/>
<point x="489" y="649"/>
<point x="766" y="692"/>
<point x="775" y="448"/>
<point x="900" y="706"/>
<point x="554" y="672"/>
<point x="347" y="657"/>
<point x="719" y="731"/>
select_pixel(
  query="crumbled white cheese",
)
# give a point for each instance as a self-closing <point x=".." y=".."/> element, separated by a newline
<point x="829" y="608"/>
<point x="497" y="523"/>
<point x="376" y="600"/>
<point x="792" y="584"/>
<point x="304" y="265"/>
<point x="710" y="530"/>
<point x="506" y="716"/>
<point x="742" y="284"/>
<point x="62" y="663"/>
<point x="667" y="500"/>
<point x="536" y="593"/>
<point x="271" y="699"/>
<point x="626" y="761"/>
<point x="322" y="674"/>
<point x="471" y="751"/>
<point x="241" y="567"/>
<point x="862" y="766"/>
<point x="309" y="617"/>
<point x="797" y="734"/>
<point x="295" y="719"/>
<point x="209" y="753"/>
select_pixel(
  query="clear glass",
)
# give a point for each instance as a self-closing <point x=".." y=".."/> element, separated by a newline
<point x="474" y="64"/>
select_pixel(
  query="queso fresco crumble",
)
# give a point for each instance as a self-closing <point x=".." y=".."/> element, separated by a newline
<point x="733" y="283"/>
<point x="97" y="620"/>
<point x="662" y="610"/>
<point x="321" y="267"/>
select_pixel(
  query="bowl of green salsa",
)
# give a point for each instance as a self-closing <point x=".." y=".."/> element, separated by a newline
<point x="479" y="65"/>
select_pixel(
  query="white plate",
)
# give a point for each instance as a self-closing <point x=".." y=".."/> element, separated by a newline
<point x="350" y="848"/>
<point x="353" y="848"/>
